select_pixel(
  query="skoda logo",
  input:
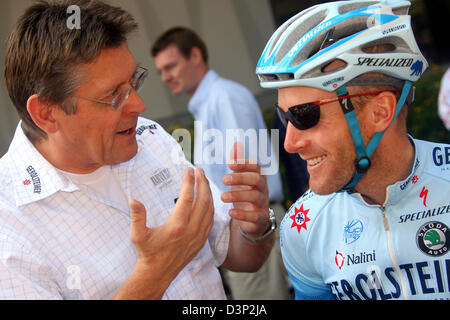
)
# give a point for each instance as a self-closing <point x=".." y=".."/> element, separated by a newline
<point x="433" y="238"/>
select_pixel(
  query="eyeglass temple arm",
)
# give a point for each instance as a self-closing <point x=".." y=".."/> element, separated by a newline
<point x="94" y="100"/>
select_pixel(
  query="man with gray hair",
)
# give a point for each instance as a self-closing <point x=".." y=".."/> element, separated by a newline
<point x="83" y="167"/>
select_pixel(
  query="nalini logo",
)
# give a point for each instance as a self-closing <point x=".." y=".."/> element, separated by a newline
<point x="353" y="230"/>
<point x="339" y="259"/>
<point x="433" y="238"/>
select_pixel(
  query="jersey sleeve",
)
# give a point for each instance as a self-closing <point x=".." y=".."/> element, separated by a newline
<point x="308" y="290"/>
<point x="298" y="246"/>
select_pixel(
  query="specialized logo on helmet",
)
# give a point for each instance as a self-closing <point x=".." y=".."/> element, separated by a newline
<point x="433" y="238"/>
<point x="417" y="68"/>
<point x="386" y="62"/>
<point x="352" y="231"/>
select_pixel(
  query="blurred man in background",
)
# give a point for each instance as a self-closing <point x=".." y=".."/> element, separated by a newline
<point x="216" y="103"/>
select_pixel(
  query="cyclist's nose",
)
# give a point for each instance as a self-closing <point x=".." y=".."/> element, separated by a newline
<point x="295" y="139"/>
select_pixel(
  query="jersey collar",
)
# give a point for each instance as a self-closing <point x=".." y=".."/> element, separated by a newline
<point x="398" y="191"/>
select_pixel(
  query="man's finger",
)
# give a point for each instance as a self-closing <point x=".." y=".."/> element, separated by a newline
<point x="254" y="197"/>
<point x="245" y="165"/>
<point x="237" y="152"/>
<point x="203" y="199"/>
<point x="185" y="201"/>
<point x="257" y="217"/>
<point x="138" y="216"/>
<point x="252" y="179"/>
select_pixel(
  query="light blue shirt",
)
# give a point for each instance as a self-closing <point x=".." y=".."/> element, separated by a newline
<point x="220" y="107"/>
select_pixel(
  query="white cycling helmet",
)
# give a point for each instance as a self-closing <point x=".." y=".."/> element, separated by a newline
<point x="298" y="53"/>
<point x="303" y="46"/>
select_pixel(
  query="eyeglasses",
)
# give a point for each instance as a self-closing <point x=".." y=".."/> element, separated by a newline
<point x="121" y="98"/>
<point x="307" y="115"/>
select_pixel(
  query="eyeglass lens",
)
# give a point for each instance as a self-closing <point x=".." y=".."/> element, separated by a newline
<point x="120" y="100"/>
<point x="303" y="116"/>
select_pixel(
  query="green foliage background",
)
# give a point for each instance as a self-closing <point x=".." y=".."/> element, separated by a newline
<point x="423" y="120"/>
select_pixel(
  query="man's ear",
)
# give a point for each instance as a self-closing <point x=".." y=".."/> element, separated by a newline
<point x="42" y="113"/>
<point x="196" y="55"/>
<point x="382" y="110"/>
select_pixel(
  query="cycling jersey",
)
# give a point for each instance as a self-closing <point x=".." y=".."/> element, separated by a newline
<point x="340" y="247"/>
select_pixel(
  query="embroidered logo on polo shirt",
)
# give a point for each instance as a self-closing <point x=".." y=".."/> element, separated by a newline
<point x="150" y="127"/>
<point x="34" y="178"/>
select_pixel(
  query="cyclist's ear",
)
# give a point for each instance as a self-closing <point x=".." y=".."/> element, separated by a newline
<point x="381" y="110"/>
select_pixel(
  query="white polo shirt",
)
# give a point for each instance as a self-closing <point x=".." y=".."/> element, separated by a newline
<point x="61" y="238"/>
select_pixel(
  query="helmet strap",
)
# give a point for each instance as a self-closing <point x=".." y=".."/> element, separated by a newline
<point x="362" y="162"/>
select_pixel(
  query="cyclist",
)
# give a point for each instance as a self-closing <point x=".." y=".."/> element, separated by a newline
<point x="374" y="224"/>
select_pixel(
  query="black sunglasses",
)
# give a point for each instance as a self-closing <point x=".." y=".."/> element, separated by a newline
<point x="307" y="115"/>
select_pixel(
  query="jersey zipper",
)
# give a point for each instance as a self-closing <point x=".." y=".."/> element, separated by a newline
<point x="391" y="252"/>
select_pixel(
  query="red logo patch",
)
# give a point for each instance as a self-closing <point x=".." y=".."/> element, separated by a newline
<point x="300" y="218"/>
<point x="26" y="182"/>
<point x="424" y="195"/>
<point x="339" y="259"/>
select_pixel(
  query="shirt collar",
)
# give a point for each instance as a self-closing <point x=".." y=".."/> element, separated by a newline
<point x="202" y="91"/>
<point x="33" y="177"/>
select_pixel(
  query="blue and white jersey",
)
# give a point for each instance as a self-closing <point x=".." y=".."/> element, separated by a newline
<point x="339" y="247"/>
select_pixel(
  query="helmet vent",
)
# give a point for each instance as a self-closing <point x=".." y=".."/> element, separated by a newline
<point x="299" y="32"/>
<point x="400" y="10"/>
<point x="385" y="45"/>
<point x="275" y="77"/>
<point x="379" y="48"/>
<point x="341" y="30"/>
<point x="328" y="67"/>
<point x="355" y="6"/>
